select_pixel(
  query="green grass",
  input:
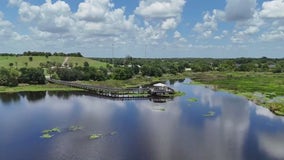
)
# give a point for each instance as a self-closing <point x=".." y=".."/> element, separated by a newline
<point x="35" y="88"/>
<point x="265" y="83"/>
<point x="20" y="61"/>
<point x="80" y="61"/>
<point x="258" y="87"/>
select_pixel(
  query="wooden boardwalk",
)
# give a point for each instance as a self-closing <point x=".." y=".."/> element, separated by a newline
<point x="120" y="93"/>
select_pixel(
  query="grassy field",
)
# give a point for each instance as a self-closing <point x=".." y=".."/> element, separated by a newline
<point x="21" y="60"/>
<point x="34" y="88"/>
<point x="266" y="89"/>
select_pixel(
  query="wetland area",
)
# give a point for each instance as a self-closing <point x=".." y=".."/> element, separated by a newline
<point x="201" y="124"/>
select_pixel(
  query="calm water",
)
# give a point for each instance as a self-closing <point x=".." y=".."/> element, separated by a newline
<point x="239" y="130"/>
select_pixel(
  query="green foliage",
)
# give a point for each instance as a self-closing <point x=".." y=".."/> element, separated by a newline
<point x="122" y="73"/>
<point x="86" y="64"/>
<point x="8" y="77"/>
<point x="32" y="76"/>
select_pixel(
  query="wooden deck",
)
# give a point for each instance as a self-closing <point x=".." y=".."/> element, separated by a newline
<point x="120" y="93"/>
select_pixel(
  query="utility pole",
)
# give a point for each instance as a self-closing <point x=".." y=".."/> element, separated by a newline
<point x="145" y="52"/>
<point x="112" y="53"/>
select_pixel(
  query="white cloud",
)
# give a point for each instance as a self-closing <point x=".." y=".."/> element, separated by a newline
<point x="246" y="30"/>
<point x="273" y="9"/>
<point x="94" y="10"/>
<point x="272" y="36"/>
<point x="169" y="24"/>
<point x="177" y="34"/>
<point x="50" y="17"/>
<point x="237" y="10"/>
<point x="6" y="30"/>
<point x="209" y="24"/>
<point x="160" y="8"/>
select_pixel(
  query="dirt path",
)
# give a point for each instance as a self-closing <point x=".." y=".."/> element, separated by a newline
<point x="65" y="61"/>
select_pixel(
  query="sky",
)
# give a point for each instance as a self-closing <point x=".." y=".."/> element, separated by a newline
<point x="144" y="28"/>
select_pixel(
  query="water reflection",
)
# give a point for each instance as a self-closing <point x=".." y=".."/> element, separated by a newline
<point x="178" y="132"/>
<point x="272" y="144"/>
<point x="7" y="98"/>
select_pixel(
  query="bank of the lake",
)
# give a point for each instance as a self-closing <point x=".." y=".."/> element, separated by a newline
<point x="265" y="89"/>
<point x="36" y="88"/>
<point x="136" y="81"/>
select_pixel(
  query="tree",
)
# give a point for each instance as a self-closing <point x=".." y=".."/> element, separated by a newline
<point x="32" y="76"/>
<point x="11" y="64"/>
<point x="122" y="73"/>
<point x="8" y="77"/>
<point x="86" y="64"/>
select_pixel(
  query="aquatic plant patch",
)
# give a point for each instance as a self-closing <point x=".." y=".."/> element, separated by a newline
<point x="209" y="114"/>
<point x="192" y="99"/>
<point x="75" y="128"/>
<point x="95" y="136"/>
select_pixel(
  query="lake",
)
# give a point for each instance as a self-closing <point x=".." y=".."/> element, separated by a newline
<point x="218" y="126"/>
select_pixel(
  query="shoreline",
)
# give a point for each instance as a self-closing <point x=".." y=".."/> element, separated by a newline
<point x="257" y="96"/>
<point x="273" y="102"/>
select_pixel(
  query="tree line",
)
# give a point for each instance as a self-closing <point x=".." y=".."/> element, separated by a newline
<point x="46" y="54"/>
<point x="12" y="77"/>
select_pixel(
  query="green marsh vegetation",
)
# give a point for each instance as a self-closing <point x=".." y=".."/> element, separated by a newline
<point x="264" y="88"/>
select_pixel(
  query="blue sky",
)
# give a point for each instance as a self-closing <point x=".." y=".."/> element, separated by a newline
<point x="164" y="28"/>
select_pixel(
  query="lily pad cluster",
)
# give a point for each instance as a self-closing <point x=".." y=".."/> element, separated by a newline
<point x="192" y="99"/>
<point x="97" y="136"/>
<point x="49" y="133"/>
<point x="75" y="128"/>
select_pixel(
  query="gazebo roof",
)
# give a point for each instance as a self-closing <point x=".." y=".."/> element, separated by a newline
<point x="159" y="85"/>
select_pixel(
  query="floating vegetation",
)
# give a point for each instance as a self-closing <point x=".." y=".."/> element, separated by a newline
<point x="46" y="136"/>
<point x="159" y="108"/>
<point x="47" y="131"/>
<point x="95" y="136"/>
<point x="209" y="114"/>
<point x="113" y="133"/>
<point x="179" y="94"/>
<point x="75" y="128"/>
<point x="192" y="99"/>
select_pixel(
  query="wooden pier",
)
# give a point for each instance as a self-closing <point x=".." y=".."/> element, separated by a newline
<point x="120" y="93"/>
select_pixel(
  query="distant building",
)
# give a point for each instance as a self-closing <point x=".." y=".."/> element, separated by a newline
<point x="161" y="89"/>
